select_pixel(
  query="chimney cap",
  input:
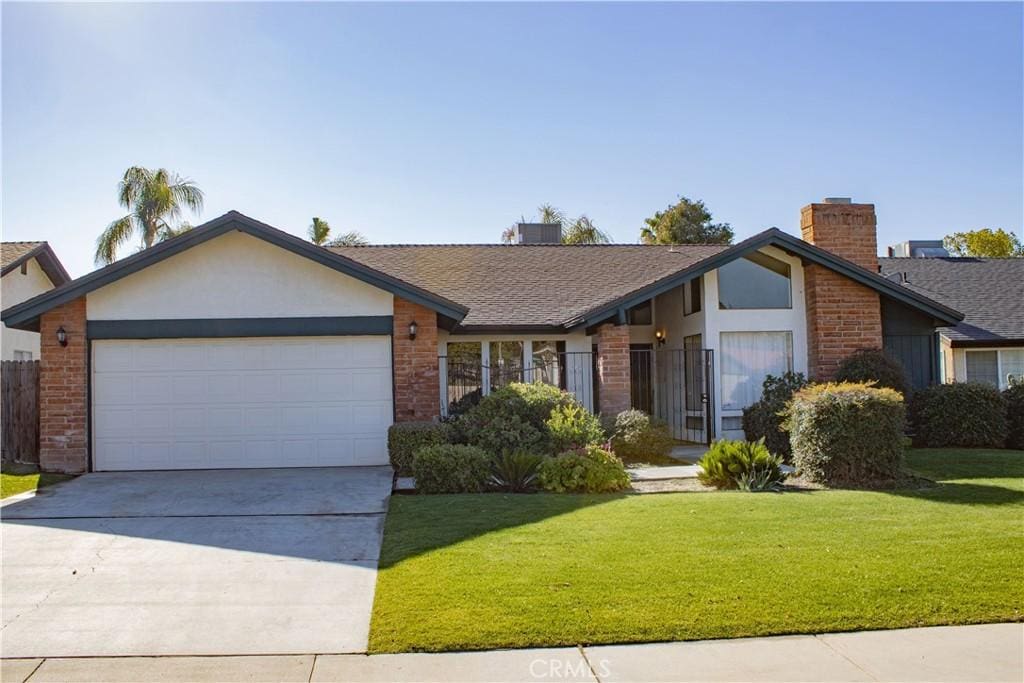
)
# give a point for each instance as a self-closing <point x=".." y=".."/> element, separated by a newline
<point x="837" y="200"/>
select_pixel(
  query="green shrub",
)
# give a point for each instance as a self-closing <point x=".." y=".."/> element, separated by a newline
<point x="587" y="470"/>
<point x="1014" y="397"/>
<point x="573" y="426"/>
<point x="451" y="468"/>
<point x="637" y="437"/>
<point x="513" y="419"/>
<point x="847" y="433"/>
<point x="867" y="365"/>
<point x="515" y="472"/>
<point x="745" y="465"/>
<point x="763" y="420"/>
<point x="405" y="438"/>
<point x="970" y="415"/>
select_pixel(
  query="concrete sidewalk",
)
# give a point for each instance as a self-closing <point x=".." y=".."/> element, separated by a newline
<point x="993" y="652"/>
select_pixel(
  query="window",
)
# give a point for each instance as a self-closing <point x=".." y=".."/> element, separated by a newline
<point x="546" y="363"/>
<point x="691" y="297"/>
<point x="995" y="367"/>
<point x="641" y="314"/>
<point x="1012" y="363"/>
<point x="506" y="363"/>
<point x="754" y="281"/>
<point x="22" y="355"/>
<point x="747" y="357"/>
<point x="983" y="366"/>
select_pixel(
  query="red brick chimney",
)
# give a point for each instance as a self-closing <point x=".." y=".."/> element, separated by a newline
<point x="842" y="315"/>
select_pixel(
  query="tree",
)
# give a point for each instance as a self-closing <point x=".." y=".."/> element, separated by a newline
<point x="582" y="230"/>
<point x="986" y="243"/>
<point x="319" y="231"/>
<point x="352" y="238"/>
<point x="685" y="222"/>
<point x="320" y="235"/>
<point x="154" y="200"/>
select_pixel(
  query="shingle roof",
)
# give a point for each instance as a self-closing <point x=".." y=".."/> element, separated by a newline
<point x="12" y="252"/>
<point x="529" y="285"/>
<point x="989" y="292"/>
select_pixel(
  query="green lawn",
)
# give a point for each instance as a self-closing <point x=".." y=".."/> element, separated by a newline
<point x="488" y="571"/>
<point x="17" y="479"/>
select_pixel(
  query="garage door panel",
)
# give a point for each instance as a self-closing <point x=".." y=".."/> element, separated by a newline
<point x="185" y="404"/>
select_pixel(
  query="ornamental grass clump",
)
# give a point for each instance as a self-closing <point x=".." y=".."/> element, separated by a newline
<point x="744" y="465"/>
<point x="847" y="434"/>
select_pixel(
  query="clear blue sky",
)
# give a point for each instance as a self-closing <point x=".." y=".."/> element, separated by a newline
<point x="445" y="123"/>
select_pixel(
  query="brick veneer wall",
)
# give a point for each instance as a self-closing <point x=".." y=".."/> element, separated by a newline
<point x="63" y="390"/>
<point x="613" y="368"/>
<point x="417" y="381"/>
<point x="842" y="315"/>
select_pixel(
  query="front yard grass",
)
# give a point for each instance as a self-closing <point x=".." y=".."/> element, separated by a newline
<point x="17" y="478"/>
<point x="493" y="571"/>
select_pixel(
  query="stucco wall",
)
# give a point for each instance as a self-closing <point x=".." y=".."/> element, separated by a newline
<point x="15" y="288"/>
<point x="236" y="276"/>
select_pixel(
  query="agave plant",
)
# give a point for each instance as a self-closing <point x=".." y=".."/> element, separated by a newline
<point x="515" y="472"/>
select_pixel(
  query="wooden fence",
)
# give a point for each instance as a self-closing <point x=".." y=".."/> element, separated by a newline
<point x="19" y="393"/>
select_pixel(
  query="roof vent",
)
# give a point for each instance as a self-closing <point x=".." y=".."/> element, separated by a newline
<point x="538" y="233"/>
<point x="837" y="200"/>
<point x="918" y="249"/>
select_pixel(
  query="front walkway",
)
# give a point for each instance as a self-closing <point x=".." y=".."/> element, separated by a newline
<point x="947" y="653"/>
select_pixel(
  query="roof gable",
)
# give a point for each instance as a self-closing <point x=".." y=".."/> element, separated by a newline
<point x="26" y="314"/>
<point x="13" y="254"/>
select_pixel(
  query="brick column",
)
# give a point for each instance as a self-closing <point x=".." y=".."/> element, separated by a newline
<point x="63" y="390"/>
<point x="842" y="315"/>
<point x="417" y="380"/>
<point x="613" y="368"/>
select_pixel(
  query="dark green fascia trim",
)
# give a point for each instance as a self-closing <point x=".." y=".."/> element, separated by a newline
<point x="25" y="315"/>
<point x="986" y="343"/>
<point x="240" y="327"/>
<point x="793" y="245"/>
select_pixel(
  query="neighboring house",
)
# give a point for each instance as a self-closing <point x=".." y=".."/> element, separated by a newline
<point x="28" y="269"/>
<point x="988" y="344"/>
<point x="238" y="345"/>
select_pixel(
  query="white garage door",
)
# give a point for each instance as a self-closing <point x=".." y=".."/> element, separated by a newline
<point x="261" y="402"/>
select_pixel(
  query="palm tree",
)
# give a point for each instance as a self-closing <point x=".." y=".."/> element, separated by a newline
<point x="583" y="231"/>
<point x="154" y="199"/>
<point x="319" y="231"/>
<point x="352" y="238"/>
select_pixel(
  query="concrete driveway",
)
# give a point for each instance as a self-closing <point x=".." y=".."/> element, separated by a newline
<point x="194" y="563"/>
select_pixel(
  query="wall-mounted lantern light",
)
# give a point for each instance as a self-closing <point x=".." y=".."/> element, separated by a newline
<point x="62" y="336"/>
<point x="412" y="329"/>
<point x="660" y="336"/>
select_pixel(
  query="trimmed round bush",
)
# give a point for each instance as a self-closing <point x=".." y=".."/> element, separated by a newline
<point x="513" y="419"/>
<point x="405" y="438"/>
<point x="587" y="470"/>
<point x="763" y="420"/>
<point x="743" y="465"/>
<point x="1014" y="397"/>
<point x="451" y="468"/>
<point x="847" y="433"/>
<point x="874" y="365"/>
<point x="969" y="415"/>
<point x="573" y="426"/>
<point x="637" y="437"/>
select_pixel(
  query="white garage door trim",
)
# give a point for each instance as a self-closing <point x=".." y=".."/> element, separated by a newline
<point x="241" y="402"/>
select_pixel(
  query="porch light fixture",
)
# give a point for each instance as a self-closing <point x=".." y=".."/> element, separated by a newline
<point x="62" y="336"/>
<point x="660" y="336"/>
<point x="412" y="330"/>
